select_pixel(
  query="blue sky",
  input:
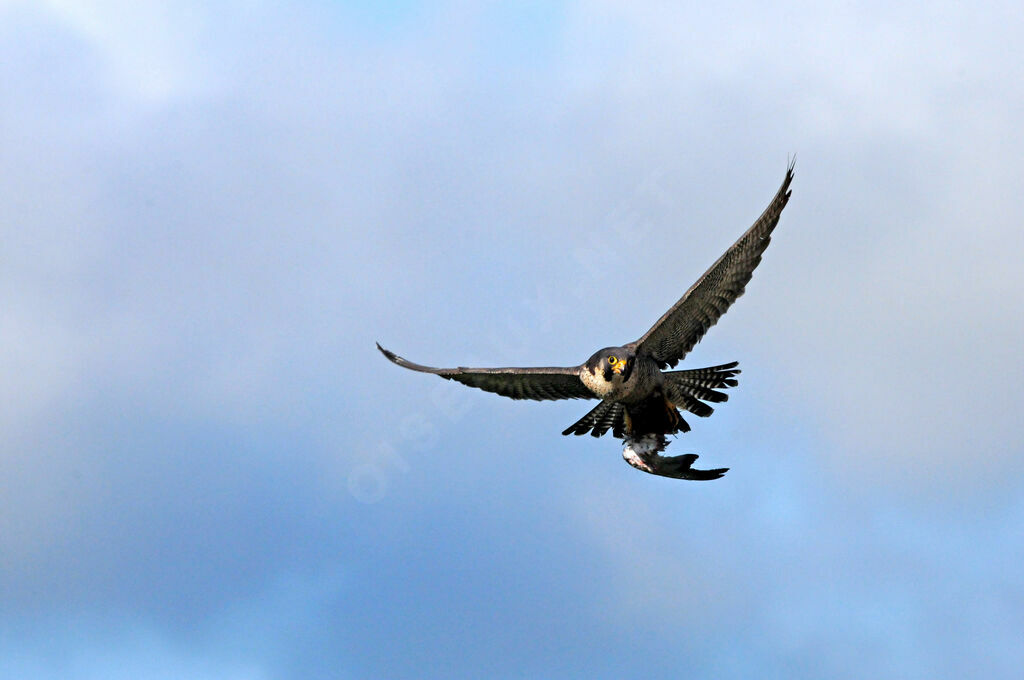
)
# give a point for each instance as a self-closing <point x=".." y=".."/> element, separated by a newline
<point x="211" y="211"/>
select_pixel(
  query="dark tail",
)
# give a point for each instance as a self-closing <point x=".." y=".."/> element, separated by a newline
<point x="654" y="416"/>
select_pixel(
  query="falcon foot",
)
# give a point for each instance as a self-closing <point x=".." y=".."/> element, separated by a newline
<point x="642" y="454"/>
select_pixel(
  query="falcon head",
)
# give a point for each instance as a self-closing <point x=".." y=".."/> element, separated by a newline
<point x="614" y="364"/>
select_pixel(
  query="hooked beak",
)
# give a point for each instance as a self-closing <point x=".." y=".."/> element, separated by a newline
<point x="627" y="368"/>
<point x="623" y="367"/>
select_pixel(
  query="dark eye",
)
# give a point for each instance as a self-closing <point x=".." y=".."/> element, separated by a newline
<point x="612" y="359"/>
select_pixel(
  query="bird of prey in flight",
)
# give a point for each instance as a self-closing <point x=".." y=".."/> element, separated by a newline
<point x="639" y="398"/>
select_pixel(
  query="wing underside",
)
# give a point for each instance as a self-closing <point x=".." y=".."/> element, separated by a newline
<point x="516" y="383"/>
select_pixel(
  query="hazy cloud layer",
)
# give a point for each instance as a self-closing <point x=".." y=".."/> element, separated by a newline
<point x="210" y="213"/>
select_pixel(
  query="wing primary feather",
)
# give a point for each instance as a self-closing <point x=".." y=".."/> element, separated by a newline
<point x="515" y="383"/>
<point x="680" y="328"/>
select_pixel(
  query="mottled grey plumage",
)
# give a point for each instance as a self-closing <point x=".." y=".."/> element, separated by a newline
<point x="639" y="399"/>
<point x="681" y="327"/>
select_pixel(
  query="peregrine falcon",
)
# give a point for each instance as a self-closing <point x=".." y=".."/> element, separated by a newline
<point x="640" y="401"/>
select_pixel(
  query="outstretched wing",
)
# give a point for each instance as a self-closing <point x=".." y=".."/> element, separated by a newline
<point x="517" y="383"/>
<point x="682" y="326"/>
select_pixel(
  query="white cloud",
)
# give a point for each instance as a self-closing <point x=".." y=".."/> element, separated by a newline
<point x="206" y="226"/>
<point x="148" y="48"/>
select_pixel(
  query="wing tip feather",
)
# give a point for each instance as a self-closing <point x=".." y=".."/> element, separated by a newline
<point x="391" y="356"/>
